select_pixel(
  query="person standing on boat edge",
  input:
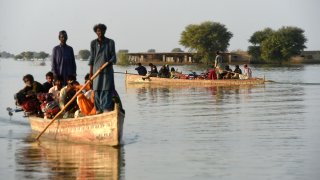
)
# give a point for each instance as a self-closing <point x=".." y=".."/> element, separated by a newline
<point x="63" y="61"/>
<point x="218" y="65"/>
<point x="102" y="51"/>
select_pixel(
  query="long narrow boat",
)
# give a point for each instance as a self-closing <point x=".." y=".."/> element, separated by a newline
<point x="130" y="78"/>
<point x="102" y="129"/>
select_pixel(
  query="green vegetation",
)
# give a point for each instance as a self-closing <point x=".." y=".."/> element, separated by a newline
<point x="176" y="50"/>
<point x="29" y="55"/>
<point x="5" y="54"/>
<point x="206" y="39"/>
<point x="151" y="51"/>
<point x="123" y="58"/>
<point x="84" y="54"/>
<point x="271" y="46"/>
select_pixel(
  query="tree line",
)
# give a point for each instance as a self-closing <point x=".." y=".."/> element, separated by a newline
<point x="205" y="39"/>
<point x="30" y="55"/>
<point x="268" y="45"/>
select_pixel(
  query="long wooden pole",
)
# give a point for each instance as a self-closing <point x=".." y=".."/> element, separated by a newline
<point x="72" y="99"/>
<point x="125" y="73"/>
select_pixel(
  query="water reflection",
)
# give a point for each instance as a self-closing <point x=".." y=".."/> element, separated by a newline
<point x="59" y="160"/>
<point x="160" y="93"/>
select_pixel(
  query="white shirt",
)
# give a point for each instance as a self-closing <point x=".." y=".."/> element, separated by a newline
<point x="247" y="72"/>
<point x="56" y="93"/>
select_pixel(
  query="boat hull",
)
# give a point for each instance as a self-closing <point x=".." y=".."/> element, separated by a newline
<point x="137" y="79"/>
<point x="102" y="129"/>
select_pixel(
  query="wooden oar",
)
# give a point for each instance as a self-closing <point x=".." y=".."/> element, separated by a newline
<point x="72" y="99"/>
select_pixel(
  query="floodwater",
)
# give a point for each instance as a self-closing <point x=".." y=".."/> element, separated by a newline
<point x="267" y="131"/>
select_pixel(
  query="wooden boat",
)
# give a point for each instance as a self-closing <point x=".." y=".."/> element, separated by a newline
<point x="102" y="129"/>
<point x="137" y="79"/>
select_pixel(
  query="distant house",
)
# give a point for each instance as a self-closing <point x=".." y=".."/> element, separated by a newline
<point x="307" y="57"/>
<point x="165" y="57"/>
<point x="311" y="55"/>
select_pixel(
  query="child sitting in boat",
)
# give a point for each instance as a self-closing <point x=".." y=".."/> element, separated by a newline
<point x="27" y="97"/>
<point x="49" y="106"/>
<point x="55" y="90"/>
<point x="85" y="100"/>
<point x="49" y="83"/>
<point x="66" y="95"/>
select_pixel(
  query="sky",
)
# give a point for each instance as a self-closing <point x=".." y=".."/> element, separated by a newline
<point x="139" y="25"/>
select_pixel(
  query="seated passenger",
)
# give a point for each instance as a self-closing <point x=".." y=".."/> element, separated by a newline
<point x="49" y="106"/>
<point x="86" y="104"/>
<point x="212" y="74"/>
<point x="49" y="83"/>
<point x="153" y="68"/>
<point x="152" y="73"/>
<point x="227" y="73"/>
<point x="247" y="73"/>
<point x="66" y="94"/>
<point x="141" y="70"/>
<point x="27" y="97"/>
<point x="55" y="90"/>
<point x="173" y="73"/>
<point x="237" y="71"/>
<point x="164" y="72"/>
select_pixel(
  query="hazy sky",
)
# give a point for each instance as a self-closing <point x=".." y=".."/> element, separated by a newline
<point x="139" y="25"/>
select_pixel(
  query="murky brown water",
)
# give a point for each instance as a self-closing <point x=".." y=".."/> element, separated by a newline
<point x="268" y="131"/>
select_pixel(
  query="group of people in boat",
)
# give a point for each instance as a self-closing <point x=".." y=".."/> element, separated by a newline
<point x="98" y="96"/>
<point x="216" y="72"/>
<point x="164" y="72"/>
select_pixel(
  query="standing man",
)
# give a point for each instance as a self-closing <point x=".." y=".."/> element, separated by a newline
<point x="102" y="51"/>
<point x="218" y="65"/>
<point x="63" y="61"/>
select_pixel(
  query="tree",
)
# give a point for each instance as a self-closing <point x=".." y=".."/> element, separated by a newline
<point x="206" y="39"/>
<point x="256" y="39"/>
<point x="19" y="56"/>
<point x="277" y="46"/>
<point x="28" y="55"/>
<point x="5" y="54"/>
<point x="151" y="51"/>
<point x="84" y="54"/>
<point x="123" y="58"/>
<point x="176" y="50"/>
<point x="40" y="55"/>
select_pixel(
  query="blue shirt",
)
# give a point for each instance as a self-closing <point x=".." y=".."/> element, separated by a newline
<point x="141" y="70"/>
<point x="63" y="62"/>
